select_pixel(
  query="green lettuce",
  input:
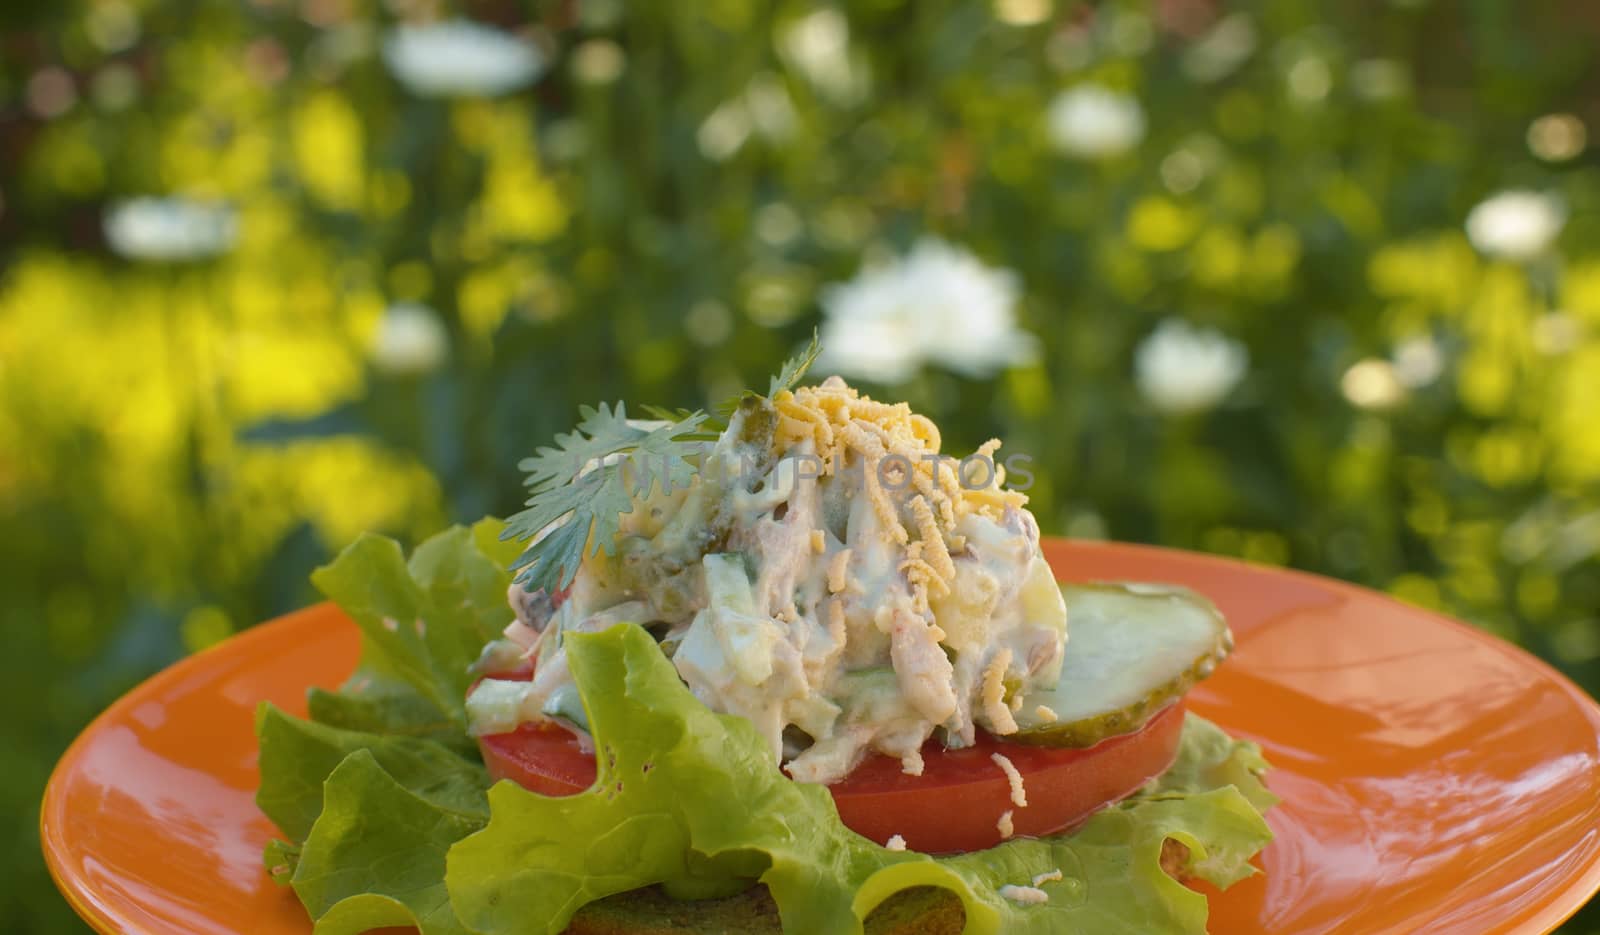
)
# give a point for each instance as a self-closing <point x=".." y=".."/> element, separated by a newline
<point x="393" y="821"/>
<point x="675" y="779"/>
<point x="386" y="761"/>
<point x="422" y="621"/>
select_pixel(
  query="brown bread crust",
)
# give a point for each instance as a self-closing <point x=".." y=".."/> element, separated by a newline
<point x="923" y="910"/>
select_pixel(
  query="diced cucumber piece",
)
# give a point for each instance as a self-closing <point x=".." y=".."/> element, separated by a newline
<point x="494" y="706"/>
<point x="871" y="695"/>
<point x="564" y="704"/>
<point x="1132" y="649"/>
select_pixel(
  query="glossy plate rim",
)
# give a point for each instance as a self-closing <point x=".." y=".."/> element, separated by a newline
<point x="81" y="896"/>
<point x="72" y="888"/>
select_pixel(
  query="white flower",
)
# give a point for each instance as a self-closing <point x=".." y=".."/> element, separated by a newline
<point x="460" y="58"/>
<point x="1418" y="361"/>
<point x="818" y="46"/>
<point x="722" y="133"/>
<point x="877" y="347"/>
<point x="170" y="229"/>
<point x="1557" y="137"/>
<point x="938" y="305"/>
<point x="1022" y="12"/>
<point x="1093" y="122"/>
<point x="410" y="340"/>
<point x="1180" y="368"/>
<point x="1310" y="79"/>
<point x="598" y="61"/>
<point x="1380" y="79"/>
<point x="1516" y="225"/>
<point x="1372" y="383"/>
<point x="771" y="109"/>
<point x="764" y="109"/>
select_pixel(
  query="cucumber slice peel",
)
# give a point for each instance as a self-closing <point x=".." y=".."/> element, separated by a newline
<point x="1132" y="649"/>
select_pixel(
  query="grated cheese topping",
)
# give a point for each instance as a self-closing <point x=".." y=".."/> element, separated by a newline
<point x="882" y="595"/>
<point x="1005" y="825"/>
<point x="838" y="569"/>
<point x="898" y="843"/>
<point x="1050" y="877"/>
<point x="1019" y="795"/>
<point x="841" y="425"/>
<point x="1024" y="895"/>
<point x="1046" y="713"/>
<point x="994" y="693"/>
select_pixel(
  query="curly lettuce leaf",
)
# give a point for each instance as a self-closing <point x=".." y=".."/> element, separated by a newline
<point x="298" y="757"/>
<point x="674" y="779"/>
<point x="422" y="621"/>
<point x="382" y="794"/>
<point x="461" y="572"/>
<point x="375" y="856"/>
<point x="1210" y="759"/>
<point x="395" y="727"/>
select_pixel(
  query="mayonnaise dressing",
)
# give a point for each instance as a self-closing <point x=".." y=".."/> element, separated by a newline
<point x="823" y="577"/>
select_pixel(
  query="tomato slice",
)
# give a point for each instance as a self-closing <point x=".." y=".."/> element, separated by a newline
<point x="955" y="805"/>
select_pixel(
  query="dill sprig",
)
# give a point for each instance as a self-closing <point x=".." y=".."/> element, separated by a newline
<point x="579" y="489"/>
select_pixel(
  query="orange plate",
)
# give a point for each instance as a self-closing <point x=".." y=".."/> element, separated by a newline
<point x="1434" y="778"/>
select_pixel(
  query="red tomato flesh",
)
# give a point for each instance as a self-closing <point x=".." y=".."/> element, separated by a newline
<point x="955" y="805"/>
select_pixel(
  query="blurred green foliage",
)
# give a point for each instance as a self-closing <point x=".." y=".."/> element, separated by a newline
<point x="655" y="219"/>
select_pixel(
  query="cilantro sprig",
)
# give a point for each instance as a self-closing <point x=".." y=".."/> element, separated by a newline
<point x="786" y="378"/>
<point x="570" y="509"/>
<point x="579" y="489"/>
<point x="795" y="368"/>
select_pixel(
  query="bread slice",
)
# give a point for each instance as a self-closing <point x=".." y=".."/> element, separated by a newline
<point x="922" y="910"/>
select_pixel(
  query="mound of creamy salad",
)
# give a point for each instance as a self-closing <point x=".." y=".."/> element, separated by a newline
<point x="828" y="574"/>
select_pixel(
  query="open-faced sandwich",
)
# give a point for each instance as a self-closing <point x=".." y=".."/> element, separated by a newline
<point x="799" y="672"/>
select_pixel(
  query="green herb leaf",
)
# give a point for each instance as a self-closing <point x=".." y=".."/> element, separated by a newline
<point x="600" y="432"/>
<point x="573" y="508"/>
<point x="713" y="427"/>
<point x="793" y="371"/>
<point x="795" y="368"/>
<point x="725" y="409"/>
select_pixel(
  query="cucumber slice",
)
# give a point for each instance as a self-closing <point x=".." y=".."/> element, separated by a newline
<point x="1132" y="649"/>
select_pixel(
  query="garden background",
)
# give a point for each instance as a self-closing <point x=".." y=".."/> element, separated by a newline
<point x="1311" y="284"/>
